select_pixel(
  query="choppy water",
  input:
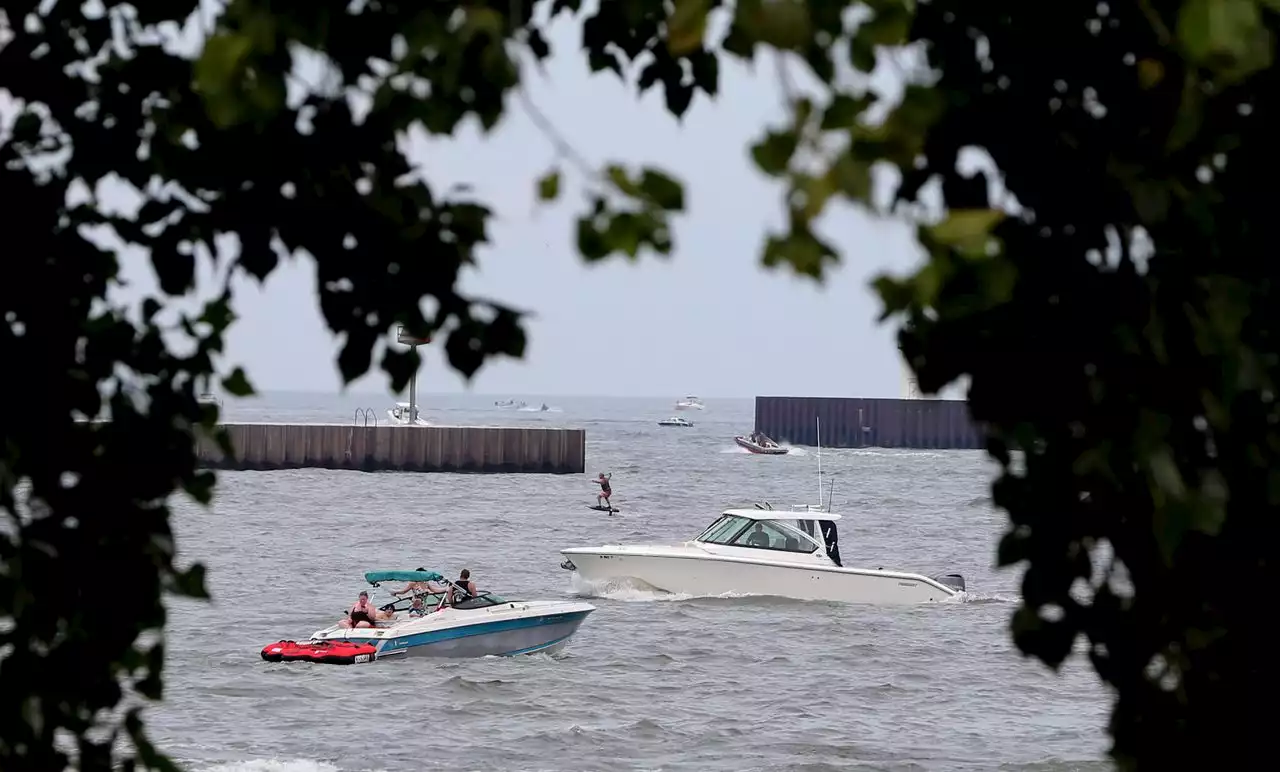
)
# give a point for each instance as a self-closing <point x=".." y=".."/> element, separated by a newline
<point x="648" y="682"/>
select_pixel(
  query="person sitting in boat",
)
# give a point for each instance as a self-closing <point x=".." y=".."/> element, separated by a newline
<point x="362" y="613"/>
<point x="606" y="490"/>
<point x="416" y="607"/>
<point x="418" y="588"/>
<point x="759" y="538"/>
<point x="463" y="589"/>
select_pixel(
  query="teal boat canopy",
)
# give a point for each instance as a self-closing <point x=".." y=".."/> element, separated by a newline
<point x="374" y="577"/>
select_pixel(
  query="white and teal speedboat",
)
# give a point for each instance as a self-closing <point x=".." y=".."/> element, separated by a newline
<point x="453" y="625"/>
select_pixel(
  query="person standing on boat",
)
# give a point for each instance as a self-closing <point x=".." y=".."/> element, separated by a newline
<point x="418" y="588"/>
<point x="606" y="490"/>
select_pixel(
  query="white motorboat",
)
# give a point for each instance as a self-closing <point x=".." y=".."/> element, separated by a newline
<point x="442" y="625"/>
<point x="400" y="415"/>
<point x="791" y="554"/>
<point x="690" y="403"/>
<point x="675" y="420"/>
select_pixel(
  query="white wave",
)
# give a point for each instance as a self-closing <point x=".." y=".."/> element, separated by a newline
<point x="628" y="591"/>
<point x="983" y="597"/>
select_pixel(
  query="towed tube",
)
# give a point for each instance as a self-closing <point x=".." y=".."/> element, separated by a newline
<point x="322" y="652"/>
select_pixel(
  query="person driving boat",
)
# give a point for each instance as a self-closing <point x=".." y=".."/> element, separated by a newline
<point x="463" y="589"/>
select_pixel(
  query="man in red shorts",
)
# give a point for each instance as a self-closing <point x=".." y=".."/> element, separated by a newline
<point x="602" y="500"/>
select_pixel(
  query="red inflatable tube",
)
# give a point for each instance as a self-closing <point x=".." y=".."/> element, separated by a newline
<point x="326" y="652"/>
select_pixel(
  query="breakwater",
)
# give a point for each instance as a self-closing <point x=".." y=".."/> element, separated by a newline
<point x="480" y="449"/>
<point x="852" y="422"/>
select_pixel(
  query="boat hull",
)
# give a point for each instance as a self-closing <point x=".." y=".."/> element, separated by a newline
<point x="709" y="575"/>
<point x="761" y="450"/>
<point x="502" y="637"/>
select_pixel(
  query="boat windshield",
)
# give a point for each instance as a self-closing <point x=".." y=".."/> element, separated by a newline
<point x="480" y="601"/>
<point x="734" y="531"/>
<point x="726" y="527"/>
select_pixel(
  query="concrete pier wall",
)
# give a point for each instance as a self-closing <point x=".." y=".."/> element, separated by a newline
<point x="482" y="449"/>
<point x="849" y="422"/>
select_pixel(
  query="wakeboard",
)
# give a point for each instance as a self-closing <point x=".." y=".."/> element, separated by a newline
<point x="610" y="510"/>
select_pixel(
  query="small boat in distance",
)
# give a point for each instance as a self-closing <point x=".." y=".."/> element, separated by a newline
<point x="400" y="415"/>
<point x="690" y="403"/>
<point x="448" y="625"/>
<point x="508" y="404"/>
<point x="758" y="443"/>
<point x="675" y="420"/>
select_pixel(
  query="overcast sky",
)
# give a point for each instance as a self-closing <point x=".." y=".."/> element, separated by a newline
<point x="709" y="322"/>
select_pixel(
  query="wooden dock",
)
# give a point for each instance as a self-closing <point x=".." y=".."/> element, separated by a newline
<point x="476" y="449"/>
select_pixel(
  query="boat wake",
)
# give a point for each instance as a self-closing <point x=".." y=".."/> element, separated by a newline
<point x="268" y="765"/>
<point x="630" y="591"/>
<point x="983" y="597"/>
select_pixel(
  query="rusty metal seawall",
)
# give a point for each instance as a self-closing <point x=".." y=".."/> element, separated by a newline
<point x="852" y="422"/>
<point x="480" y="449"/>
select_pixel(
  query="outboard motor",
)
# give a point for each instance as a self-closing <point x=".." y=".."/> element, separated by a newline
<point x="954" y="581"/>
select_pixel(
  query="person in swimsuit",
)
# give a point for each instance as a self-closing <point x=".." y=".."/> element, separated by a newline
<point x="418" y="588"/>
<point x="606" y="490"/>
<point x="362" y="613"/>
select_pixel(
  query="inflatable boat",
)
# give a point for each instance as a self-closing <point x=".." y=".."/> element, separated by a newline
<point x="326" y="652"/>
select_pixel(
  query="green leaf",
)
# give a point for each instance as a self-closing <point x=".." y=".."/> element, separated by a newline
<point x="237" y="384"/>
<point x="217" y="75"/>
<point x="1226" y="36"/>
<point x="773" y="153"/>
<point x="844" y="111"/>
<point x="801" y="249"/>
<point x="783" y="24"/>
<point x="617" y="175"/>
<point x="966" y="230"/>
<point x="687" y="26"/>
<point x="661" y="190"/>
<point x="889" y="27"/>
<point x="852" y="177"/>
<point x="549" y="186"/>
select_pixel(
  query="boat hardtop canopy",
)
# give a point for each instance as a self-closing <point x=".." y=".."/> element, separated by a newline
<point x="780" y="514"/>
<point x="375" y="577"/>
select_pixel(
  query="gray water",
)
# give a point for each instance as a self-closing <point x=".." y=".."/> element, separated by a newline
<point x="650" y="681"/>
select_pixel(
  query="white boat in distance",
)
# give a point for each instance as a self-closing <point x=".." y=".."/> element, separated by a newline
<point x="790" y="554"/>
<point x="400" y="415"/>
<point x="675" y="420"/>
<point x="690" y="403"/>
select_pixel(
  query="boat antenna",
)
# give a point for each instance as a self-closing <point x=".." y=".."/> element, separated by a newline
<point x="818" y="423"/>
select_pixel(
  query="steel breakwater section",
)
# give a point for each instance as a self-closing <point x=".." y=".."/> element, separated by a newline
<point x="854" y="422"/>
<point x="480" y="449"/>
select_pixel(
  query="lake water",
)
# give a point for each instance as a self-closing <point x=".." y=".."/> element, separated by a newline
<point x="650" y="681"/>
